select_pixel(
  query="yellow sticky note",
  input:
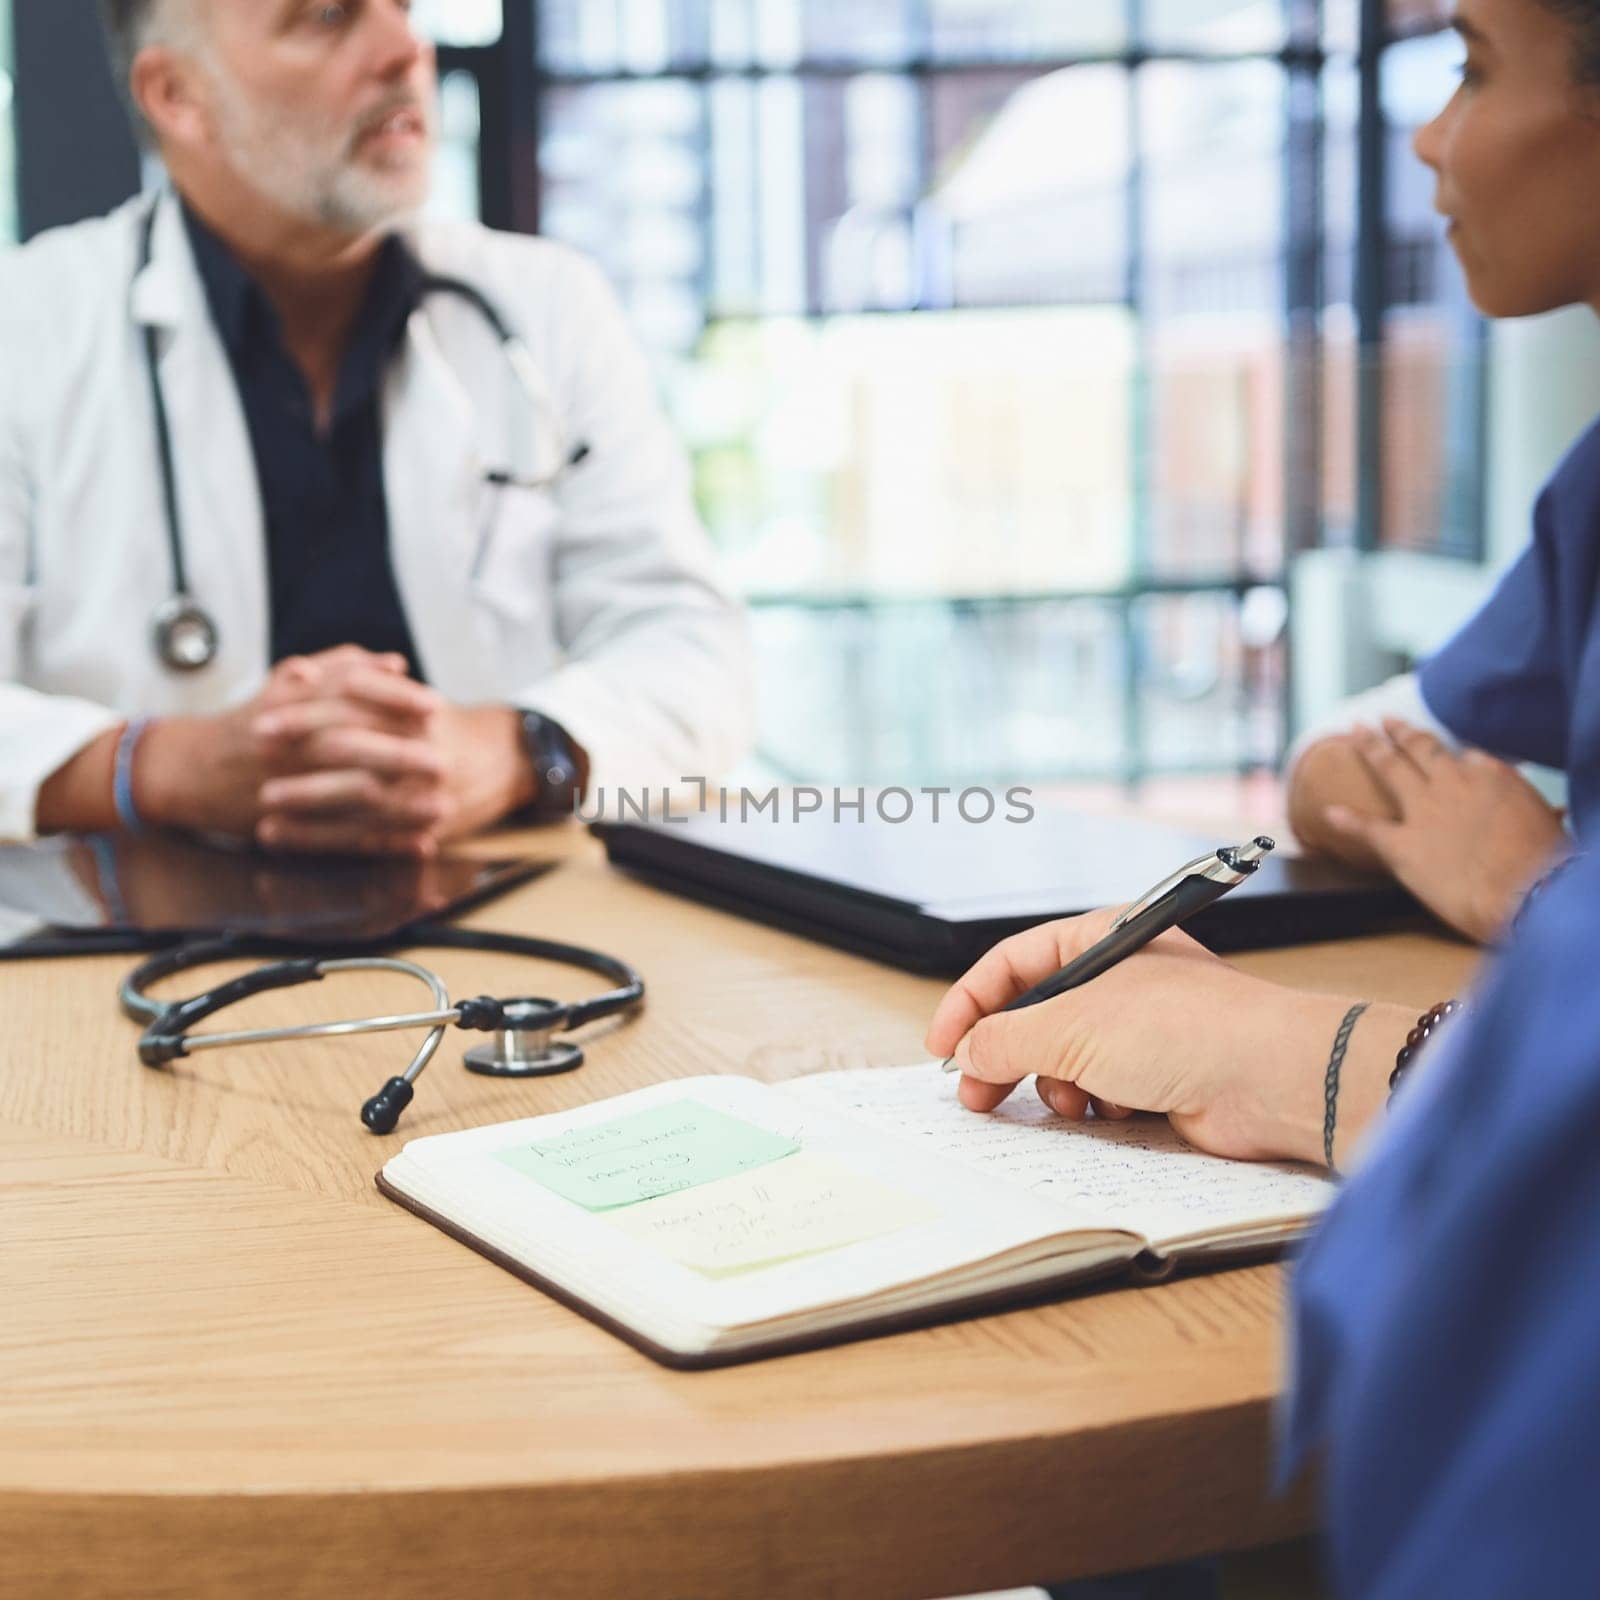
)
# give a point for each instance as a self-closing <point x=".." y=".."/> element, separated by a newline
<point x="795" y="1207"/>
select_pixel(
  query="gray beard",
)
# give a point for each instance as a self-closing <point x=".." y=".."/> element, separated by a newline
<point x="290" y="169"/>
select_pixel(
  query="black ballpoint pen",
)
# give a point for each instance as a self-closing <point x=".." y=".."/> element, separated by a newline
<point x="1175" y="899"/>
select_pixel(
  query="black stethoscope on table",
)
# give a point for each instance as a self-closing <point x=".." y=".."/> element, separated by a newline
<point x="185" y="633"/>
<point x="524" y="1043"/>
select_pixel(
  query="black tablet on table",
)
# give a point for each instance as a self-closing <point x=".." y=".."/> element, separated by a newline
<point x="83" y="894"/>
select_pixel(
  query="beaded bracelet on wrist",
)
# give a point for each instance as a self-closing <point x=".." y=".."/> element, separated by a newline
<point x="1428" y="1024"/>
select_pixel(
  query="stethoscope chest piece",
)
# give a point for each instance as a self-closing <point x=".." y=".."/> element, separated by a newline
<point x="185" y="636"/>
<point x="513" y="1056"/>
<point x="529" y="1048"/>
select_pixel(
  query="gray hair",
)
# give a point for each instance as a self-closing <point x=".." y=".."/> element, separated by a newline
<point x="131" y="25"/>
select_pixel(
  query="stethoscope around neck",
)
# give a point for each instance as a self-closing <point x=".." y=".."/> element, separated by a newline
<point x="184" y="631"/>
<point x="522" y="1031"/>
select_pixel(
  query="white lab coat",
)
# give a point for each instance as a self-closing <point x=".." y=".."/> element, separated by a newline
<point x="596" y="602"/>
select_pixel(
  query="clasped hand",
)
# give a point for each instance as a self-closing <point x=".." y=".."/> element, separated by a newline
<point x="1466" y="833"/>
<point x="338" y="752"/>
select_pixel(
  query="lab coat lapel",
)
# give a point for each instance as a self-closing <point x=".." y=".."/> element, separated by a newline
<point x="433" y="473"/>
<point x="219" y="493"/>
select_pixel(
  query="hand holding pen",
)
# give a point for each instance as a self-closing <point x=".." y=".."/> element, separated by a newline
<point x="1169" y="1029"/>
<point x="1183" y="894"/>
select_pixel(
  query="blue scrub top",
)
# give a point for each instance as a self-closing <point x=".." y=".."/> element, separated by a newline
<point x="1522" y="678"/>
<point x="1447" y="1314"/>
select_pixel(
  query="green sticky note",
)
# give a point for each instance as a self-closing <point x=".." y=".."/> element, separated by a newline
<point x="661" y="1151"/>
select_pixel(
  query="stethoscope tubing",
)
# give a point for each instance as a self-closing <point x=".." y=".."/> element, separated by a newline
<point x="289" y="972"/>
<point x="181" y="616"/>
<point x="438" y="1019"/>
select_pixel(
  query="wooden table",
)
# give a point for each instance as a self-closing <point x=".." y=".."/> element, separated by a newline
<point x="229" y="1366"/>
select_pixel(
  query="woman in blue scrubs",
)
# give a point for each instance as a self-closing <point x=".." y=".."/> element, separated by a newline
<point x="1514" y="158"/>
<point x="1447" y="1314"/>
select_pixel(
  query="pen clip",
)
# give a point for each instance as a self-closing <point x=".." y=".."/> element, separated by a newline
<point x="1230" y="865"/>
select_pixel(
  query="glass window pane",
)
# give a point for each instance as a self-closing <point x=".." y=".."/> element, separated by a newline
<point x="1341" y="26"/>
<point x="767" y="212"/>
<point x="1216" y="451"/>
<point x="599" y="36"/>
<point x="1213" y="152"/>
<point x="1213" y="299"/>
<point x="784" y="33"/>
<point x="812" y="186"/>
<point x="868" y="31"/>
<point x="8" y="157"/>
<point x="457" y="192"/>
<point x="1225" y="26"/>
<point x="459" y="22"/>
<point x="1341" y="105"/>
<point x="623" y="181"/>
<point x="1024" y="30"/>
<point x="662" y="35"/>
<point x="943" y="694"/>
<point x="1340" y="451"/>
<point x="1211" y="680"/>
<point x="1029" y="201"/>
<point x="1432" y="372"/>
<point x="863" y="246"/>
<point x="976" y="692"/>
<point x="963" y="454"/>
<point x="1339" y="465"/>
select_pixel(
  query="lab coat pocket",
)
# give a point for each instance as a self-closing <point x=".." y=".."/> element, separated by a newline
<point x="514" y="550"/>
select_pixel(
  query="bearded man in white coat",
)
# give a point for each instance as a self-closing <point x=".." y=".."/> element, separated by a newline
<point x="319" y="524"/>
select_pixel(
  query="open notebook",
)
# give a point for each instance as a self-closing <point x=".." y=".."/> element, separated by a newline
<point x="717" y="1219"/>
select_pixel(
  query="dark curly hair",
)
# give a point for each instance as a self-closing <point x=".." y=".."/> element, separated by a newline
<point x="1584" y="15"/>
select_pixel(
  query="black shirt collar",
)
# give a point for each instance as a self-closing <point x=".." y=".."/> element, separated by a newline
<point x="244" y="315"/>
<point x="230" y="291"/>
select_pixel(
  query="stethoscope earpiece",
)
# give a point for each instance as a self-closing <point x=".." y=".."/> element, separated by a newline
<point x="381" y="1113"/>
